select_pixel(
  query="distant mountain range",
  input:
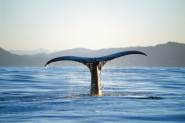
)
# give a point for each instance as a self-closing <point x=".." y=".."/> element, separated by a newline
<point x="170" y="54"/>
<point x="31" y="52"/>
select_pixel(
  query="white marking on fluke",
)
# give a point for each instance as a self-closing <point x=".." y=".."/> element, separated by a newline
<point x="95" y="66"/>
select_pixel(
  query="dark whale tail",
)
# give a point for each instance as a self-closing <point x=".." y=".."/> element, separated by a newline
<point x="95" y="66"/>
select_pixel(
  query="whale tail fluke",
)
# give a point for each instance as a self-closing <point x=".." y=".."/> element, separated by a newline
<point x="95" y="66"/>
<point x="85" y="60"/>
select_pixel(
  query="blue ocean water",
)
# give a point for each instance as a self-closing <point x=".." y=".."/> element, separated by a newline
<point x="60" y="94"/>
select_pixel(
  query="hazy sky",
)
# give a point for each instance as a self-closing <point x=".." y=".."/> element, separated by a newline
<point x="93" y="24"/>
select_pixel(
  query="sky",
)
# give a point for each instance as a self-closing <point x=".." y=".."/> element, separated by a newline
<point x="92" y="24"/>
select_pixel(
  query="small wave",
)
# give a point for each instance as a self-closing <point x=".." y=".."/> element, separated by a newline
<point x="135" y="96"/>
<point x="151" y="97"/>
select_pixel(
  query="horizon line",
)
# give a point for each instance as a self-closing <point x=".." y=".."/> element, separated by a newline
<point x="93" y="49"/>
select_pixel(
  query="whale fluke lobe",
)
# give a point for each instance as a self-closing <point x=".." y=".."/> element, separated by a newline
<point x="95" y="66"/>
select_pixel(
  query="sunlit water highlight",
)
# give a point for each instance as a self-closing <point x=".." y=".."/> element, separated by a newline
<point x="60" y="94"/>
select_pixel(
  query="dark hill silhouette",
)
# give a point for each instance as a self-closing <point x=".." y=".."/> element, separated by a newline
<point x="8" y="59"/>
<point x="170" y="54"/>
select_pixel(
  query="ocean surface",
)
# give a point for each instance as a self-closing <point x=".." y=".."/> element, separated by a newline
<point x="60" y="94"/>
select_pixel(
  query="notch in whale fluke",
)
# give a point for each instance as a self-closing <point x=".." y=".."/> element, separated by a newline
<point x="95" y="66"/>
